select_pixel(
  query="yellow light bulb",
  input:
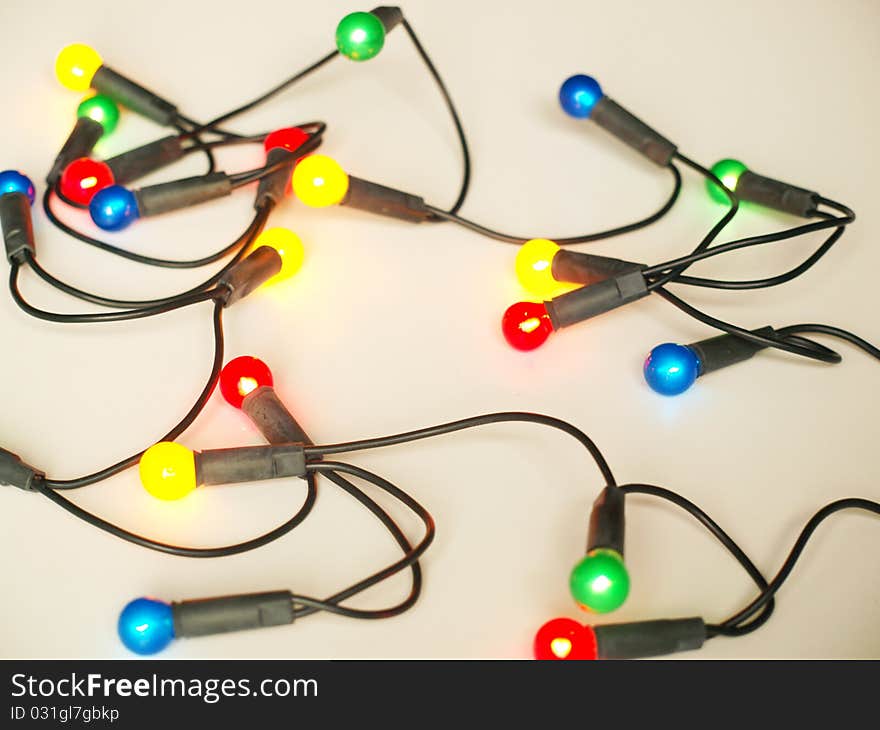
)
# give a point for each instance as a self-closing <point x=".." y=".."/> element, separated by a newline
<point x="534" y="267"/>
<point x="168" y="470"/>
<point x="289" y="247"/>
<point x="76" y="65"/>
<point x="319" y="181"/>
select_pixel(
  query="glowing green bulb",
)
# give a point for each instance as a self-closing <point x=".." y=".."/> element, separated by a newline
<point x="728" y="171"/>
<point x="600" y="582"/>
<point x="101" y="109"/>
<point x="360" y="36"/>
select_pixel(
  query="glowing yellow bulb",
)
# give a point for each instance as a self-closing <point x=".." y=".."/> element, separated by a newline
<point x="560" y="647"/>
<point x="76" y="65"/>
<point x="319" y="181"/>
<point x="289" y="247"/>
<point x="168" y="470"/>
<point x="534" y="268"/>
<point x="246" y="386"/>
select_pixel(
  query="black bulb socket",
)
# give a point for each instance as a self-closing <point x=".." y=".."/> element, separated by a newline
<point x="595" y="299"/>
<point x="134" y="96"/>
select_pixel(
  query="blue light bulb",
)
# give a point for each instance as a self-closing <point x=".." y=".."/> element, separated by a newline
<point x="146" y="626"/>
<point x="579" y="94"/>
<point x="114" y="208"/>
<point x="671" y="369"/>
<point x="12" y="181"/>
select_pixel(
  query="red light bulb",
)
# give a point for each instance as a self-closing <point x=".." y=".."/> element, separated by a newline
<point x="243" y="376"/>
<point x="84" y="177"/>
<point x="526" y="325"/>
<point x="289" y="138"/>
<point x="563" y="638"/>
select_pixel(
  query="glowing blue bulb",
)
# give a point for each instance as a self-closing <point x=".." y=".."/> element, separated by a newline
<point x="671" y="369"/>
<point x="579" y="94"/>
<point x="114" y="208"/>
<point x="12" y="181"/>
<point x="146" y="626"/>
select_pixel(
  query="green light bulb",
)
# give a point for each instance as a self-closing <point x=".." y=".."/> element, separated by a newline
<point x="360" y="36"/>
<point x="600" y="582"/>
<point x="728" y="172"/>
<point x="101" y="109"/>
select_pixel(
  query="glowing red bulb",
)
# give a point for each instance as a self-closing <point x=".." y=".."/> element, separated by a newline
<point x="83" y="178"/>
<point x="563" y="638"/>
<point x="526" y="325"/>
<point x="289" y="138"/>
<point x="243" y="376"/>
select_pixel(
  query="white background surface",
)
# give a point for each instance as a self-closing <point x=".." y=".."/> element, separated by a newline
<point x="390" y="327"/>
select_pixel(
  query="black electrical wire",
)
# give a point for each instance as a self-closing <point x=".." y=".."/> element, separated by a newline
<point x="573" y="240"/>
<point x="715" y="230"/>
<point x="684" y="261"/>
<point x="95" y="317"/>
<point x="179" y="550"/>
<point x="316" y="129"/>
<point x="824" y="329"/>
<point x="238" y="180"/>
<point x="212" y="125"/>
<point x="459" y="129"/>
<point x="749" y="619"/>
<point x="795" y="346"/>
<point x="734" y="624"/>
<point x="309" y="605"/>
<point x="183" y="425"/>
<point x="43" y="487"/>
<point x="48" y="488"/>
<point x="242" y="244"/>
<point x="719" y="534"/>
<point x="195" y="127"/>
<point x="140" y="258"/>
<point x="423" y="54"/>
<point x="787" y="339"/>
<point x="319" y="451"/>
<point x="396" y="533"/>
<point x="197" y="141"/>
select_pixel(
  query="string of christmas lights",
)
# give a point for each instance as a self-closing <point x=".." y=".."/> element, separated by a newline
<point x="573" y="287"/>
